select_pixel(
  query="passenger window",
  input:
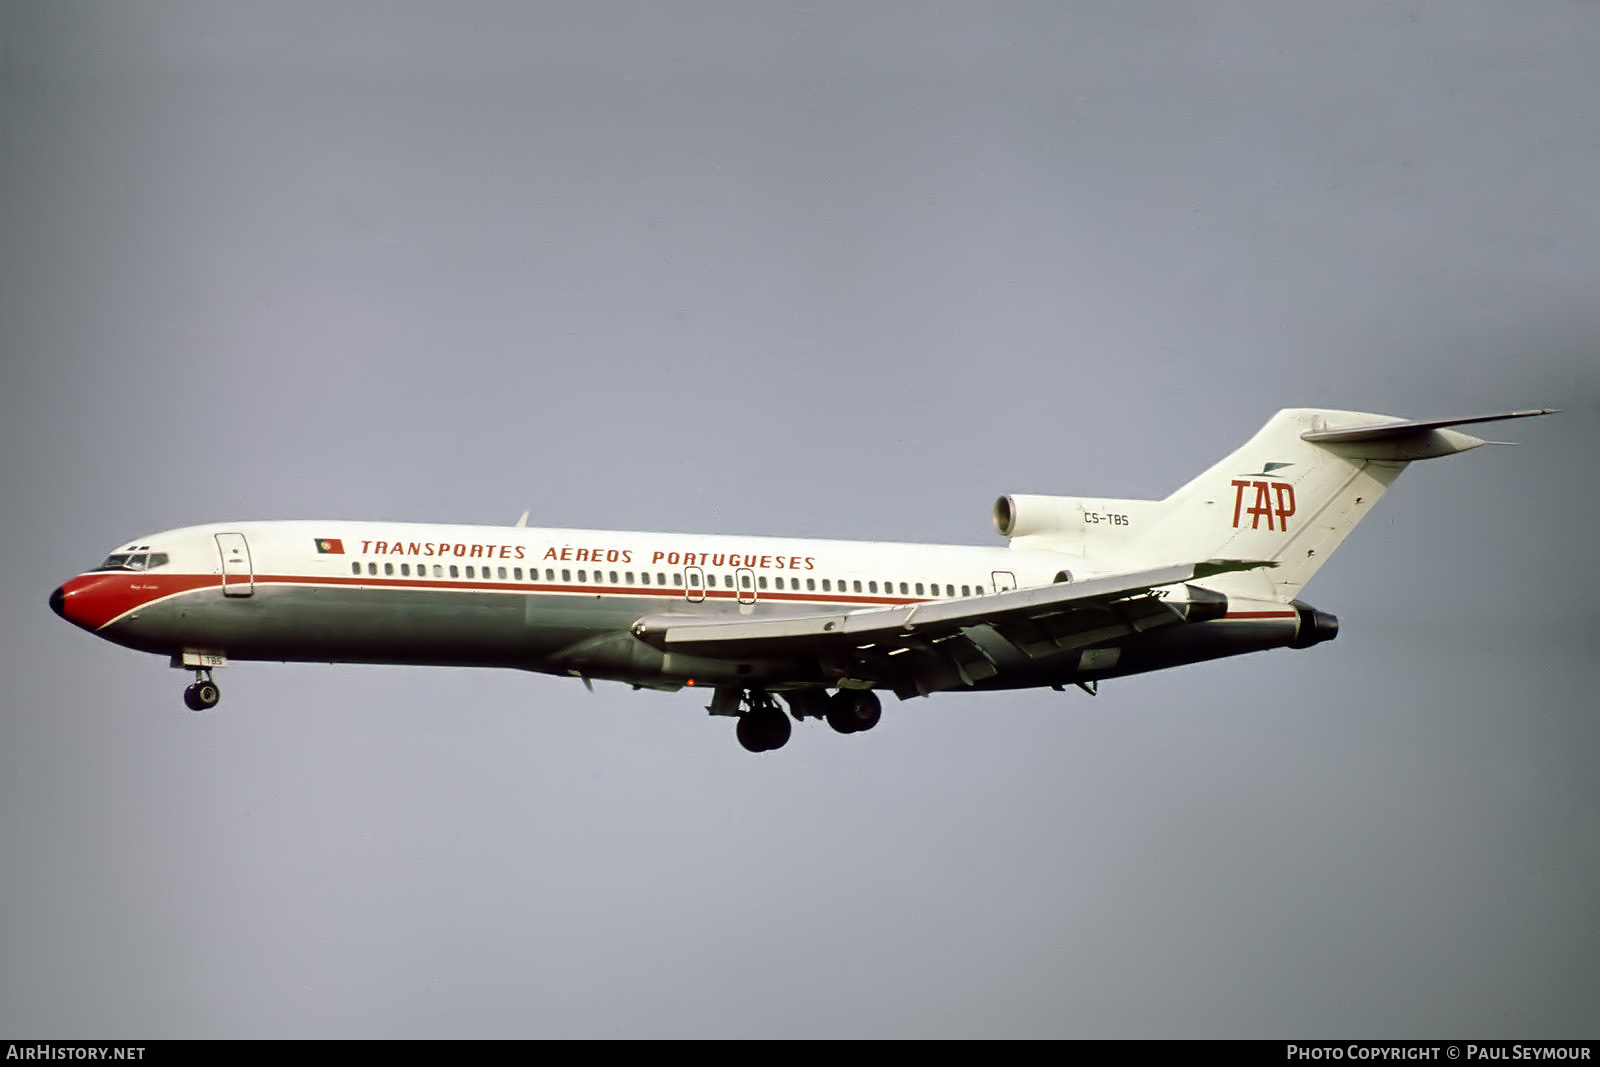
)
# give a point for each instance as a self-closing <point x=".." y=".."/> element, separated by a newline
<point x="388" y="570"/>
<point x="858" y="585"/>
<point x="677" y="579"/>
<point x="372" y="569"/>
<point x="583" y="576"/>
<point x="438" y="570"/>
<point x="469" y="571"/>
<point x="826" y="586"/>
<point x="454" y="573"/>
<point x="966" y="590"/>
<point x="949" y="590"/>
<point x="355" y="568"/>
<point x="613" y="577"/>
<point x="872" y="587"/>
<point x="761" y="582"/>
<point x="644" y="577"/>
<point x="903" y="588"/>
<point x="919" y="589"/>
<point x="516" y="572"/>
<point x="811" y="584"/>
<point x="566" y="575"/>
<point x="744" y="580"/>
<point x="503" y="573"/>
<point x="661" y="578"/>
<point x="694" y="579"/>
<point x="629" y="576"/>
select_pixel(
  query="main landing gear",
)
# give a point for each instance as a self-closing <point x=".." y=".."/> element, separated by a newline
<point x="202" y="694"/>
<point x="763" y="726"/>
<point x="852" y="710"/>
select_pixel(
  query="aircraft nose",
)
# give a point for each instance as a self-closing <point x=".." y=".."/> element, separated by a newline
<point x="58" y="601"/>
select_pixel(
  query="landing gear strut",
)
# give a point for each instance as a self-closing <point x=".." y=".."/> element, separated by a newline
<point x="202" y="694"/>
<point x="763" y="726"/>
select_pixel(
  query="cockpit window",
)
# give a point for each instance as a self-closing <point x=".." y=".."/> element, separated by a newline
<point x="133" y="561"/>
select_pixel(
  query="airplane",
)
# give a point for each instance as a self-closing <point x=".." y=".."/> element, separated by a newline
<point x="1086" y="589"/>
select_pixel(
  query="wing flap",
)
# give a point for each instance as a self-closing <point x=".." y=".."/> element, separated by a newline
<point x="1044" y="618"/>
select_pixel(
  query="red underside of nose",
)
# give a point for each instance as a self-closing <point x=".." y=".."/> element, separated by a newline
<point x="92" y="600"/>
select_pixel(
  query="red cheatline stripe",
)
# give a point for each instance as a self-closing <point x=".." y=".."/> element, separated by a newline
<point x="94" y="600"/>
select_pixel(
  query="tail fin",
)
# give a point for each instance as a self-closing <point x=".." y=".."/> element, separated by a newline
<point x="1295" y="491"/>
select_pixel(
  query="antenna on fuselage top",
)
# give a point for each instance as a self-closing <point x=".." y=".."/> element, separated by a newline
<point x="522" y="521"/>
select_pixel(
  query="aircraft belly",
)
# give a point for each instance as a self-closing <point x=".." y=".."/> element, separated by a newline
<point x="355" y="625"/>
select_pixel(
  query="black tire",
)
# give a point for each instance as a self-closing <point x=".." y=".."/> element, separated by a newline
<point x="748" y="731"/>
<point x="191" y="699"/>
<point x="763" y="730"/>
<point x="776" y="727"/>
<point x="840" y="717"/>
<point x="202" y="696"/>
<point x="853" y="710"/>
<point x="867" y="708"/>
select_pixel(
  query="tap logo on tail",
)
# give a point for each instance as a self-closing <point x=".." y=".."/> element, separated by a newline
<point x="1270" y="501"/>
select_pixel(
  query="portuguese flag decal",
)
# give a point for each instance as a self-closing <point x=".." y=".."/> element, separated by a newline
<point x="326" y="545"/>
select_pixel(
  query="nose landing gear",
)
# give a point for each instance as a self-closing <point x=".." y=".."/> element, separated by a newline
<point x="202" y="694"/>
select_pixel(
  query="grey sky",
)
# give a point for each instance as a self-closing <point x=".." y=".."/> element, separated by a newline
<point x="831" y="270"/>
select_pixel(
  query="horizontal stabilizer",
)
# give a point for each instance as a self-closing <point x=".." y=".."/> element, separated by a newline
<point x="1402" y="441"/>
<point x="1390" y="431"/>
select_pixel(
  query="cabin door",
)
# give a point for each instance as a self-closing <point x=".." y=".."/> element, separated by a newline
<point x="238" y="577"/>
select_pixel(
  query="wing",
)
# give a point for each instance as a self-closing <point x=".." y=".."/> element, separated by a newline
<point x="921" y="648"/>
